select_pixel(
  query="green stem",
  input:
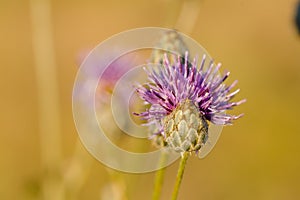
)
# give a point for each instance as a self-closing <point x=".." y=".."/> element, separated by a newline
<point x="159" y="177"/>
<point x="180" y="175"/>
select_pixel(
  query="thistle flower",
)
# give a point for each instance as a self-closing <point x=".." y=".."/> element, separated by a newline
<point x="184" y="100"/>
<point x="171" y="41"/>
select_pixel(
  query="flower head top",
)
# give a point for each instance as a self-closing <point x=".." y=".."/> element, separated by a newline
<point x="184" y="100"/>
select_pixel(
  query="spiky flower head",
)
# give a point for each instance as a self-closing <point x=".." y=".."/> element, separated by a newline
<point x="184" y="100"/>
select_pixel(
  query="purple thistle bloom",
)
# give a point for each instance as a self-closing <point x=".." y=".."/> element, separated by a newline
<point x="182" y="88"/>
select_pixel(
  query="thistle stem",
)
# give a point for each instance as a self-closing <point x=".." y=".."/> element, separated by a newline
<point x="180" y="172"/>
<point x="159" y="177"/>
<point x="158" y="183"/>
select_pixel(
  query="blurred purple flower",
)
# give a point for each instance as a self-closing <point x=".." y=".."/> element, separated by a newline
<point x="106" y="75"/>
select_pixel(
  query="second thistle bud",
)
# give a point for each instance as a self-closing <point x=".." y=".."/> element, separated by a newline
<point x="185" y="129"/>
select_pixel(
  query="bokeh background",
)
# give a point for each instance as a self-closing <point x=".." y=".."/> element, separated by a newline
<point x="40" y="155"/>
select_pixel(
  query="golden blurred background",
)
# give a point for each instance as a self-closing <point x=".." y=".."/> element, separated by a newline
<point x="257" y="158"/>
